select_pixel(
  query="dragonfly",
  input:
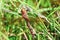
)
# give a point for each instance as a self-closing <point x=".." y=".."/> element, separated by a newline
<point x="25" y="16"/>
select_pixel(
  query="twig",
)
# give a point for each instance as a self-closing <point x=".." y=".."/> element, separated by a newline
<point x="25" y="36"/>
<point x="23" y="32"/>
<point x="4" y="35"/>
<point x="49" y="38"/>
<point x="42" y="16"/>
<point x="48" y="32"/>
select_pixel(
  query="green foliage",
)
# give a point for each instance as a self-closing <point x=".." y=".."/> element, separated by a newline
<point x="44" y="18"/>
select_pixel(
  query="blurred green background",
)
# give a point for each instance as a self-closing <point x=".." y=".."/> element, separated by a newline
<point x="44" y="16"/>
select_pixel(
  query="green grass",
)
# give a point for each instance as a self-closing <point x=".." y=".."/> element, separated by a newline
<point x="14" y="27"/>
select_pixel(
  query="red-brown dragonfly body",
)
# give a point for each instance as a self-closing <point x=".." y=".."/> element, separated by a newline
<point x="25" y="16"/>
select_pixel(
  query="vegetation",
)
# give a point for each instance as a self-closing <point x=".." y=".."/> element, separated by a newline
<point x="43" y="16"/>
